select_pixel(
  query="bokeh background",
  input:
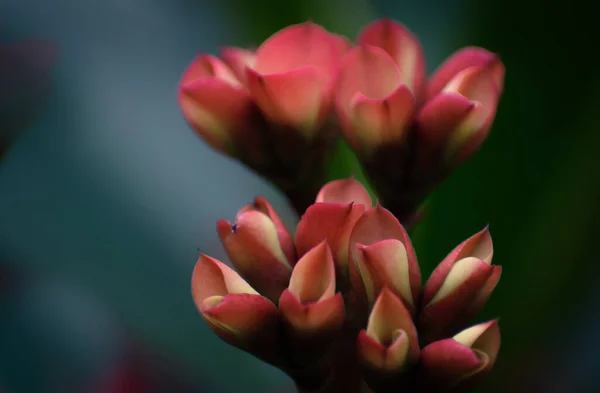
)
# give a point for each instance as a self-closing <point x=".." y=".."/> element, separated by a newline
<point x="107" y="197"/>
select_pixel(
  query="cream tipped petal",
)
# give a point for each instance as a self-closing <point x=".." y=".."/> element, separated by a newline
<point x="253" y="246"/>
<point x="387" y="358"/>
<point x="328" y="221"/>
<point x="320" y="318"/>
<point x="379" y="224"/>
<point x="238" y="60"/>
<point x="484" y="337"/>
<point x="402" y="46"/>
<point x="313" y="277"/>
<point x="300" y="98"/>
<point x="212" y="278"/>
<point x="478" y="246"/>
<point x="460" y="272"/>
<point x="285" y="239"/>
<point x="465" y="58"/>
<point x="387" y="317"/>
<point x="382" y="122"/>
<point x="385" y="264"/>
<point x="344" y="191"/>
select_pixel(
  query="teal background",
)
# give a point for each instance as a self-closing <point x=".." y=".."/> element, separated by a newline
<point x="107" y="198"/>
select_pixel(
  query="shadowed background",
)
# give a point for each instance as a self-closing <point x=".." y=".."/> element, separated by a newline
<point x="108" y="196"/>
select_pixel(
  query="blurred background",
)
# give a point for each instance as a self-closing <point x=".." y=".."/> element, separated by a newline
<point x="107" y="197"/>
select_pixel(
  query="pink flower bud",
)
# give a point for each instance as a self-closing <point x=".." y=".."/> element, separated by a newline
<point x="344" y="191"/>
<point x="457" y="364"/>
<point x="293" y="74"/>
<point x="254" y="246"/>
<point x="310" y="305"/>
<point x="215" y="103"/>
<point x="390" y="343"/>
<point x="461" y="60"/>
<point x="374" y="105"/>
<point x="231" y="307"/>
<point x="457" y="120"/>
<point x="328" y="221"/>
<point x="381" y="256"/>
<point x="402" y="46"/>
<point x="459" y="287"/>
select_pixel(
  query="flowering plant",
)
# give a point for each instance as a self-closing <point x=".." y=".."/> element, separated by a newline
<point x="339" y="305"/>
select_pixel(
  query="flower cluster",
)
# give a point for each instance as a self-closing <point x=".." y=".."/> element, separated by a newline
<point x="280" y="108"/>
<point x="340" y="304"/>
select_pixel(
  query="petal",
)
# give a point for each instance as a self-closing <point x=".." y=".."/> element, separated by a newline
<point x="344" y="191"/>
<point x="477" y="85"/>
<point x="313" y="277"/>
<point x="285" y="239"/>
<point x="218" y="111"/>
<point x="441" y="116"/>
<point x="323" y="317"/>
<point x="465" y="270"/>
<point x="465" y="58"/>
<point x="328" y="221"/>
<point x="385" y="264"/>
<point x="403" y="47"/>
<point x="387" y="317"/>
<point x="446" y="362"/>
<point x="298" y="46"/>
<point x="239" y="315"/>
<point x="341" y="43"/>
<point x="367" y="70"/>
<point x="387" y="358"/>
<point x="478" y="246"/>
<point x="213" y="278"/>
<point x="379" y="224"/>
<point x="379" y="123"/>
<point x="238" y="60"/>
<point x="484" y="337"/>
<point x="253" y="246"/>
<point x="299" y="98"/>
<point x="206" y="66"/>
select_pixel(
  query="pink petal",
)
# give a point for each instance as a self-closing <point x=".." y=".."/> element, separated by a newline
<point x="478" y="246"/>
<point x="205" y="66"/>
<point x="367" y="70"/>
<point x="320" y="318"/>
<point x="313" y="277"/>
<point x="238" y="60"/>
<point x="328" y="221"/>
<point x="379" y="224"/>
<point x="298" y="98"/>
<point x="384" y="122"/>
<point x="253" y="246"/>
<point x="285" y="239"/>
<point x="389" y="315"/>
<point x="298" y="46"/>
<point x="344" y="191"/>
<point x="403" y="47"/>
<point x="465" y="58"/>
<point x="384" y="358"/>
<point x="216" y="110"/>
<point x="484" y="337"/>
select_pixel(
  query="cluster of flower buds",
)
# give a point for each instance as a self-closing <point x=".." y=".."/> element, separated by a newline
<point x="278" y="109"/>
<point x="339" y="306"/>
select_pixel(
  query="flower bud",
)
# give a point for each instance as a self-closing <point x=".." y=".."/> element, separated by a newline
<point x="217" y="106"/>
<point x="457" y="364"/>
<point x="389" y="344"/>
<point x="461" y="60"/>
<point x="254" y="246"/>
<point x="310" y="305"/>
<point x="292" y="77"/>
<point x="402" y="46"/>
<point x="457" y="120"/>
<point x="233" y="309"/>
<point x="382" y="255"/>
<point x="459" y="287"/>
<point x="375" y="112"/>
<point x="344" y="191"/>
<point x="332" y="221"/>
